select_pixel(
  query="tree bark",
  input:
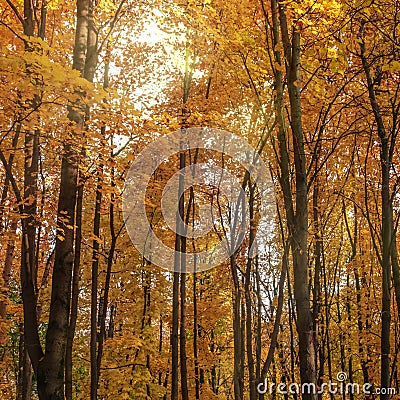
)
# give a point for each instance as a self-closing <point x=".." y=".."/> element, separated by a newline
<point x="248" y="299"/>
<point x="74" y="295"/>
<point x="238" y="367"/>
<point x="387" y="222"/>
<point x="50" y="374"/>
<point x="297" y="217"/>
<point x="182" y="240"/>
<point x="30" y="341"/>
<point x="110" y="260"/>
<point x="94" y="289"/>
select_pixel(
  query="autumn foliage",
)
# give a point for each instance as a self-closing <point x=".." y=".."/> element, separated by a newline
<point x="314" y="87"/>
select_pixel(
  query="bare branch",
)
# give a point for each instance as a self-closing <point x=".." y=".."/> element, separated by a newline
<point x="16" y="12"/>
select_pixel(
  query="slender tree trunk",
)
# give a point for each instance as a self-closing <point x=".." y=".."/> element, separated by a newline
<point x="259" y="321"/>
<point x="353" y="242"/>
<point x="242" y="337"/>
<point x="176" y="280"/>
<point x="182" y="338"/>
<point x="74" y="295"/>
<point x="94" y="289"/>
<point x="238" y="368"/>
<point x="29" y="299"/>
<point x="88" y="73"/>
<point x="110" y="261"/>
<point x="10" y="244"/>
<point x="279" y="310"/>
<point x="6" y="278"/>
<point x="174" y="333"/>
<point x="195" y="337"/>
<point x="292" y="322"/>
<point x="6" y="185"/>
<point x="213" y="373"/>
<point x="300" y="226"/>
<point x="179" y="276"/>
<point x="297" y="217"/>
<point x="395" y="271"/>
<point x="387" y="223"/>
<point x="28" y="247"/>
<point x="317" y="266"/>
<point x="182" y="330"/>
<point x="248" y="299"/>
<point x="160" y="347"/>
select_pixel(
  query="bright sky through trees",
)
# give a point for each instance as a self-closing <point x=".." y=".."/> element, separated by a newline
<point x="91" y="95"/>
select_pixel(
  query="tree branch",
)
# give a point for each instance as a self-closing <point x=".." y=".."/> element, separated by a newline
<point x="16" y="12"/>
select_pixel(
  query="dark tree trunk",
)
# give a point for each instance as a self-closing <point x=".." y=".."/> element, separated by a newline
<point x="195" y="337"/>
<point x="28" y="247"/>
<point x="24" y="384"/>
<point x="74" y="295"/>
<point x="88" y="74"/>
<point x="387" y="222"/>
<point x="50" y="375"/>
<point x="175" y="335"/>
<point x="248" y="300"/>
<point x="110" y="261"/>
<point x="95" y="273"/>
<point x="238" y="367"/>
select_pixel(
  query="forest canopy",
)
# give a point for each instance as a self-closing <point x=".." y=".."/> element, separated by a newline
<point x="199" y="200"/>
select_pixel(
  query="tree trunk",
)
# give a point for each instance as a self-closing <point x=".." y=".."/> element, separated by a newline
<point x="50" y="374"/>
<point x="195" y="336"/>
<point x="110" y="260"/>
<point x="387" y="223"/>
<point x="175" y="335"/>
<point x="74" y="295"/>
<point x="298" y="218"/>
<point x="248" y="299"/>
<point x="238" y="368"/>
<point x="28" y="249"/>
<point x="6" y="280"/>
<point x="95" y="273"/>
<point x="28" y="246"/>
